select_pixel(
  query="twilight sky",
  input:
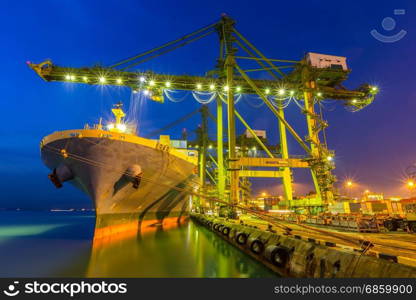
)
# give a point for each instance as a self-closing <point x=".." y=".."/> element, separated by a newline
<point x="373" y="146"/>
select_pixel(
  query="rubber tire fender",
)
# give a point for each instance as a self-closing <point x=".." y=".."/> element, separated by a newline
<point x="256" y="245"/>
<point x="241" y="235"/>
<point x="226" y="230"/>
<point x="278" y="255"/>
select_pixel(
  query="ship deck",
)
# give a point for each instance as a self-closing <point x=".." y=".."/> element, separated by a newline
<point x="124" y="137"/>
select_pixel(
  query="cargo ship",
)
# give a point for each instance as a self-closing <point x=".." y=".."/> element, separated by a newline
<point x="133" y="182"/>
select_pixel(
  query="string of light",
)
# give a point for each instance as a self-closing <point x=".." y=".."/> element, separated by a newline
<point x="148" y="85"/>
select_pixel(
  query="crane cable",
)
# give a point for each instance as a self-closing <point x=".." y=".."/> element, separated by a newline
<point x="172" y="124"/>
<point x="92" y="162"/>
<point x="196" y="95"/>
<point x="168" y="95"/>
<point x="166" y="51"/>
<point x="183" y="38"/>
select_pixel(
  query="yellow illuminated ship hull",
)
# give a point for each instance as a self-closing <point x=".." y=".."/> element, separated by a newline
<point x="133" y="182"/>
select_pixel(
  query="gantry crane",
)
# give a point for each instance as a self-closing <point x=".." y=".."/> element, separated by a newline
<point x="298" y="79"/>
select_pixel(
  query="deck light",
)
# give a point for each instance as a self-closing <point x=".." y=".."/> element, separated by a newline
<point x="212" y="87"/>
<point x="267" y="91"/>
<point x="151" y="83"/>
<point x="102" y="79"/>
<point x="121" y="127"/>
<point x="167" y="83"/>
<point x="142" y="79"/>
<point x="198" y="86"/>
<point x="282" y="92"/>
<point x="238" y="89"/>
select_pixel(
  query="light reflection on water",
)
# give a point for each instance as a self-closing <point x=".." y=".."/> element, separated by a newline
<point x="61" y="244"/>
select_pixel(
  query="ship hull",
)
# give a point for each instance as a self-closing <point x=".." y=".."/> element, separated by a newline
<point x="133" y="182"/>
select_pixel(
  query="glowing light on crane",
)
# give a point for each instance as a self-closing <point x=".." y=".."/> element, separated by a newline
<point x="329" y="158"/>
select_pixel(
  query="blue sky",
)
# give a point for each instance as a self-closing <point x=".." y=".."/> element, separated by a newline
<point x="373" y="146"/>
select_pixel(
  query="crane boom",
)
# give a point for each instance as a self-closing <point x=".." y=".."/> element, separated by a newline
<point x="156" y="82"/>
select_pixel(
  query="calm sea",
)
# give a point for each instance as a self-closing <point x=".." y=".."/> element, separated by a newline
<point x="61" y="244"/>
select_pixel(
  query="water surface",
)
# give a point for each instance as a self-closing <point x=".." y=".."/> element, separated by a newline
<point x="58" y="244"/>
